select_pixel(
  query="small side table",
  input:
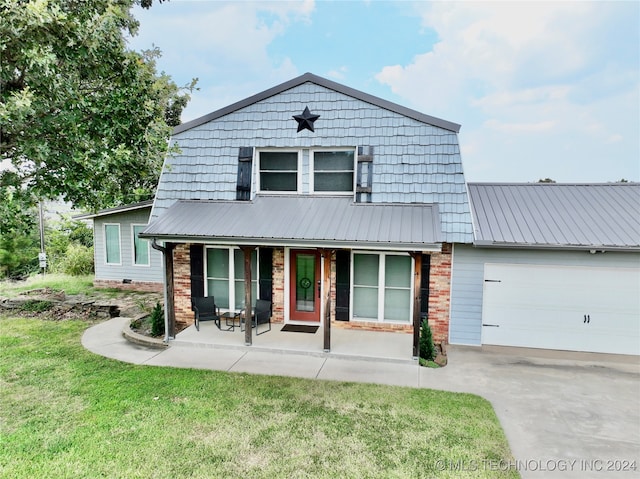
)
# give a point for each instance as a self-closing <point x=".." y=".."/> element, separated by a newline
<point x="231" y="320"/>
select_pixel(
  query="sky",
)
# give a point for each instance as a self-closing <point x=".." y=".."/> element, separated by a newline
<point x="541" y="89"/>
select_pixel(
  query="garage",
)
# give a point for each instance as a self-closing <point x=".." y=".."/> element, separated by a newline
<point x="562" y="307"/>
<point x="552" y="266"/>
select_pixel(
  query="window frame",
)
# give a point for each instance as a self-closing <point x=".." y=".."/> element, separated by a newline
<point x="299" y="172"/>
<point x="312" y="170"/>
<point x="381" y="287"/>
<point x="231" y="279"/>
<point x="106" y="250"/>
<point x="134" y="237"/>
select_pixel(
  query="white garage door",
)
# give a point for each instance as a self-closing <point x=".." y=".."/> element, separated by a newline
<point x="562" y="307"/>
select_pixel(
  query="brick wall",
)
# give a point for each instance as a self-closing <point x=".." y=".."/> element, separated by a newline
<point x="278" y="286"/>
<point x="182" y="286"/>
<point x="440" y="293"/>
<point x="144" y="286"/>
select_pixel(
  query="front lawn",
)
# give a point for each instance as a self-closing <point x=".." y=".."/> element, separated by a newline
<point x="67" y="413"/>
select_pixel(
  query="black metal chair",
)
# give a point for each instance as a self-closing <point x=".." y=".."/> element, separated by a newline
<point x="205" y="309"/>
<point x="261" y="315"/>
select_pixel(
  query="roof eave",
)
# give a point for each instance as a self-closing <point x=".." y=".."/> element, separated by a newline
<point x="540" y="246"/>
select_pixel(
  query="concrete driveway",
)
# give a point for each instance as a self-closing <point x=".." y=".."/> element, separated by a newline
<point x="564" y="414"/>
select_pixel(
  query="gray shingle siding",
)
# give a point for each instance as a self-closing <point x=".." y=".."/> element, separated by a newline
<point x="413" y="162"/>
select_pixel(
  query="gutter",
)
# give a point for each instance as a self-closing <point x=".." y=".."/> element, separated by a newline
<point x="163" y="250"/>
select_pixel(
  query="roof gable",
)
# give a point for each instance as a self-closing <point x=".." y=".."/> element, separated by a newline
<point x="552" y="215"/>
<point x="311" y="78"/>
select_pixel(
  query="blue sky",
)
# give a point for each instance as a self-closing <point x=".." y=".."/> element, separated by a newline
<point x="541" y="89"/>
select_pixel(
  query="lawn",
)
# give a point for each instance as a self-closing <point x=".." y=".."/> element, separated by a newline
<point x="67" y="413"/>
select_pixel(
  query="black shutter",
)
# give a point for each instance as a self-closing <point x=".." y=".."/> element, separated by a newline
<point x="343" y="268"/>
<point x="243" y="187"/>
<point x="364" y="175"/>
<point x="424" y="286"/>
<point x="196" y="253"/>
<point x="265" y="282"/>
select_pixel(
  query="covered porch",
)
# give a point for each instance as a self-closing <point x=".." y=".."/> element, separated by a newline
<point x="346" y="343"/>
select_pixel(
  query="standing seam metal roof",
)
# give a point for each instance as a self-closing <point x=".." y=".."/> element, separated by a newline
<point x="321" y="221"/>
<point x="588" y="216"/>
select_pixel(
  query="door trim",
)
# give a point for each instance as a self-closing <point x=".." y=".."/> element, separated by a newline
<point x="316" y="315"/>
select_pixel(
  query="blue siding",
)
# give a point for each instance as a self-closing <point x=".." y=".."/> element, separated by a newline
<point x="414" y="162"/>
<point x="467" y="279"/>
<point x="127" y="269"/>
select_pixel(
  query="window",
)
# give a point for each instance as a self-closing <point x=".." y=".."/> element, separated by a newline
<point x="140" y="247"/>
<point x="112" y="243"/>
<point x="382" y="287"/>
<point x="279" y="171"/>
<point x="333" y="171"/>
<point x="228" y="289"/>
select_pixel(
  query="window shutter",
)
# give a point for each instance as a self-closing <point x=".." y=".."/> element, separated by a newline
<point x="424" y="286"/>
<point x="266" y="274"/>
<point x="343" y="267"/>
<point x="243" y="187"/>
<point x="196" y="253"/>
<point x="364" y="178"/>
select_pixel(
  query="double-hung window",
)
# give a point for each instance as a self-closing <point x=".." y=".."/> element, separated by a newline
<point x="333" y="171"/>
<point x="382" y="287"/>
<point x="112" y="243"/>
<point x="140" y="247"/>
<point x="278" y="171"/>
<point x="225" y="277"/>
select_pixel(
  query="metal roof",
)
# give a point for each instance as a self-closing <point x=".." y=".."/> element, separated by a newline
<point x="553" y="215"/>
<point x="116" y="209"/>
<point x="309" y="77"/>
<point x="301" y="221"/>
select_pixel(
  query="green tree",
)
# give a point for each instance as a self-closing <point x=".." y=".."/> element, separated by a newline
<point x="82" y="117"/>
<point x="19" y="234"/>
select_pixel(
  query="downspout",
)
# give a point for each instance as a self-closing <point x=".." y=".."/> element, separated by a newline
<point x="156" y="246"/>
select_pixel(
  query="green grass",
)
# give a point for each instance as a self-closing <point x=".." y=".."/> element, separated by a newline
<point x="67" y="413"/>
<point x="69" y="284"/>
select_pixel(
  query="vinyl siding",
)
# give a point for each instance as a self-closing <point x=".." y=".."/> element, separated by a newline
<point x="414" y="162"/>
<point x="468" y="277"/>
<point x="126" y="269"/>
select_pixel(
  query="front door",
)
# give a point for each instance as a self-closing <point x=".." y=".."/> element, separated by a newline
<point x="304" y="292"/>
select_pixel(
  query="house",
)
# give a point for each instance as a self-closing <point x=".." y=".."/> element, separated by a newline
<point x="122" y="259"/>
<point x="552" y="266"/>
<point x="340" y="208"/>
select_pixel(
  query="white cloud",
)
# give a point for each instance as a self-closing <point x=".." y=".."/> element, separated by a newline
<point x="561" y="79"/>
<point x="339" y="73"/>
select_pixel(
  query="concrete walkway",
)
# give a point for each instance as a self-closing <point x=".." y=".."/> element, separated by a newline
<point x="564" y="414"/>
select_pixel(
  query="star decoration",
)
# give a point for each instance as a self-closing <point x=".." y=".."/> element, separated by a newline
<point x="305" y="121"/>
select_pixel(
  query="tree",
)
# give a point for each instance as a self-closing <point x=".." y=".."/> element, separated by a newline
<point x="82" y="117"/>
<point x="19" y="238"/>
<point x="546" y="180"/>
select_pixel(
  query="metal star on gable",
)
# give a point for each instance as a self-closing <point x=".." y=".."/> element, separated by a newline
<point x="305" y="121"/>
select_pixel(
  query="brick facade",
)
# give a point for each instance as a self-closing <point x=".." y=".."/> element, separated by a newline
<point x="439" y="293"/>
<point x="144" y="286"/>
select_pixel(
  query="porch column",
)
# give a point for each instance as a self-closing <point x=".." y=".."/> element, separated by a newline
<point x="326" y="278"/>
<point x="417" y="280"/>
<point x="169" y="307"/>
<point x="247" y="250"/>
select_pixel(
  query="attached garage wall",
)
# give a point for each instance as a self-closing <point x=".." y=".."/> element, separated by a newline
<point x="468" y="279"/>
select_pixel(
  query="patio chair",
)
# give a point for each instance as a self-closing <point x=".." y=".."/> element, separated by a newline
<point x="261" y="315"/>
<point x="205" y="309"/>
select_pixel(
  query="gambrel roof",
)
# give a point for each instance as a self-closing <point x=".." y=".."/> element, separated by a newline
<point x="552" y="215"/>
<point x="311" y="78"/>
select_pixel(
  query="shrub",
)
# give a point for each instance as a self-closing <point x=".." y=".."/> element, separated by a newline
<point x="36" y="306"/>
<point x="78" y="260"/>
<point x="427" y="348"/>
<point x="157" y="321"/>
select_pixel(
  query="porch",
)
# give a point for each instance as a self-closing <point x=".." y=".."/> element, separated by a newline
<point x="395" y="347"/>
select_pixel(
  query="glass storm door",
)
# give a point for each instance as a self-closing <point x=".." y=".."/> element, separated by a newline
<point x="304" y="293"/>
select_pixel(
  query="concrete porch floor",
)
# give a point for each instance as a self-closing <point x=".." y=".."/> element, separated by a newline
<point x="345" y="343"/>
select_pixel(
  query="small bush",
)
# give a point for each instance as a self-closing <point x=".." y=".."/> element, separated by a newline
<point x="157" y="321"/>
<point x="427" y="348"/>
<point x="78" y="260"/>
